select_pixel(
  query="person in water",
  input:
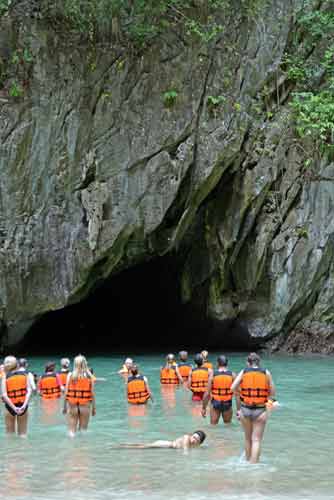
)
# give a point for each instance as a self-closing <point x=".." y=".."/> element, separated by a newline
<point x="79" y="401"/>
<point x="138" y="390"/>
<point x="256" y="387"/>
<point x="184" y="442"/>
<point x="184" y="366"/>
<point x="65" y="364"/>
<point x="198" y="379"/>
<point x="169" y="374"/>
<point x="49" y="385"/>
<point x="125" y="370"/>
<point x="206" y="362"/>
<point x="16" y="393"/>
<point x="23" y="367"/>
<point x="220" y="393"/>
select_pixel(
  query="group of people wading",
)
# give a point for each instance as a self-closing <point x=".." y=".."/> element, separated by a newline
<point x="77" y="387"/>
<point x="252" y="389"/>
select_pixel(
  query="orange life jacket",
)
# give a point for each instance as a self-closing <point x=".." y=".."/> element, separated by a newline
<point x="184" y="370"/>
<point x="16" y="384"/>
<point x="207" y="364"/>
<point x="63" y="377"/>
<point x="254" y="387"/>
<point x="137" y="391"/>
<point x="79" y="391"/>
<point x="168" y="376"/>
<point x="49" y="386"/>
<point x="199" y="379"/>
<point x="221" y="385"/>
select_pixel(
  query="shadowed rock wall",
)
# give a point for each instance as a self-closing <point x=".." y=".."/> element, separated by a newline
<point x="98" y="174"/>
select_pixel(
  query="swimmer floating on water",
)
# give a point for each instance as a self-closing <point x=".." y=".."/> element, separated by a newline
<point x="184" y="442"/>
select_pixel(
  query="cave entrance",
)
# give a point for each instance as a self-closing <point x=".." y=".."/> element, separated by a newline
<point x="138" y="310"/>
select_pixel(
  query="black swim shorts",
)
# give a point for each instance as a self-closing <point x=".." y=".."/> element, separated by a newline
<point x="12" y="412"/>
<point x="221" y="405"/>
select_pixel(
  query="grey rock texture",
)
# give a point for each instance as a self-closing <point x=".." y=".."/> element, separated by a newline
<point x="93" y="164"/>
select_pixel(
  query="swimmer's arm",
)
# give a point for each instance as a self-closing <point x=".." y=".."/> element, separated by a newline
<point x="32" y="382"/>
<point x="93" y="400"/>
<point x="65" y="392"/>
<point x="5" y="398"/>
<point x="272" y="388"/>
<point x="206" y="397"/>
<point x="148" y="389"/>
<point x="28" y="395"/>
<point x="237" y="382"/>
<point x="188" y="384"/>
<point x="178" y="375"/>
<point x="236" y="393"/>
<point x="62" y="388"/>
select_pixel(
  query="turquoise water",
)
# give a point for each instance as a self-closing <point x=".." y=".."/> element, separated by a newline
<point x="296" y="462"/>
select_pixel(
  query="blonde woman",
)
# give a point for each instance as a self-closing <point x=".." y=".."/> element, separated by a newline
<point x="16" y="392"/>
<point x="79" y="399"/>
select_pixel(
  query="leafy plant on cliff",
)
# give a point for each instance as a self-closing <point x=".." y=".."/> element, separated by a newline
<point x="314" y="115"/>
<point x="143" y="20"/>
<point x="4" y="6"/>
<point x="170" y="97"/>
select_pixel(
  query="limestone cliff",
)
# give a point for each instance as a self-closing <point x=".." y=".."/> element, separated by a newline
<point x="111" y="156"/>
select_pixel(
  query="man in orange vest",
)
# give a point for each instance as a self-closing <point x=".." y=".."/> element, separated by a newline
<point x="220" y="393"/>
<point x="137" y="387"/>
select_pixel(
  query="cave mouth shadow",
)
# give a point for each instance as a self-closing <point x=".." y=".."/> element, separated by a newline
<point x="138" y="311"/>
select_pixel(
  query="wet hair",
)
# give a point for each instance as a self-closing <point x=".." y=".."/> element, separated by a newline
<point x="205" y="354"/>
<point x="65" y="363"/>
<point x="253" y="359"/>
<point x="170" y="357"/>
<point x="134" y="370"/>
<point x="222" y="360"/>
<point x="22" y="363"/>
<point x="198" y="359"/>
<point x="201" y="435"/>
<point x="183" y="354"/>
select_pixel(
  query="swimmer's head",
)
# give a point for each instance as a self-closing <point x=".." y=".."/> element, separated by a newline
<point x="222" y="360"/>
<point x="205" y="355"/>
<point x="50" y="366"/>
<point x="65" y="363"/>
<point x="253" y="359"/>
<point x="170" y="358"/>
<point x="22" y="363"/>
<point x="183" y="355"/>
<point x="10" y="363"/>
<point x="198" y="359"/>
<point x="134" y="370"/>
<point x="198" y="437"/>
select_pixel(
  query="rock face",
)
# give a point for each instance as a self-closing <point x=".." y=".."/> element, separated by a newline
<point x="100" y="172"/>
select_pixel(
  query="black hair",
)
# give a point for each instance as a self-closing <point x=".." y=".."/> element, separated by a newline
<point x="134" y="370"/>
<point x="253" y="359"/>
<point x="222" y="360"/>
<point x="201" y="435"/>
<point x="198" y="359"/>
<point x="50" y="365"/>
<point x="22" y="362"/>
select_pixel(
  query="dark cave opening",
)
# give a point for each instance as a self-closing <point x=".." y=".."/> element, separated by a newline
<point x="138" y="310"/>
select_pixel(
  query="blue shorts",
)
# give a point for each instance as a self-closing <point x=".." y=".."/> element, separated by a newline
<point x="221" y="405"/>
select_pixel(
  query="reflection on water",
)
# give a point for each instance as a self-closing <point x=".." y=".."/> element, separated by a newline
<point x="297" y="453"/>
